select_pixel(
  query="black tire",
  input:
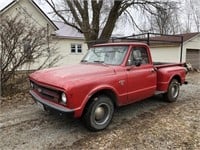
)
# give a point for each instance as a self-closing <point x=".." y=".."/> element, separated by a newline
<point x="98" y="113"/>
<point x="173" y="91"/>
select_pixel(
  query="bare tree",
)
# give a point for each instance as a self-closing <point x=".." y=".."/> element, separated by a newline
<point x="195" y="13"/>
<point x="21" y="45"/>
<point x="165" y="19"/>
<point x="96" y="19"/>
<point x="191" y="20"/>
<point x="188" y="24"/>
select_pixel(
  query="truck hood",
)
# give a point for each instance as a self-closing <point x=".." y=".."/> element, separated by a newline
<point x="62" y="76"/>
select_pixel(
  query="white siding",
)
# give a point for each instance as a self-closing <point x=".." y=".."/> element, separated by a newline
<point x="26" y="10"/>
<point x="191" y="44"/>
<point x="172" y="54"/>
<point x="64" y="49"/>
<point x="165" y="54"/>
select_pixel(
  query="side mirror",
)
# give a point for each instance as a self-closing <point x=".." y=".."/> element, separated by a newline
<point x="129" y="63"/>
<point x="138" y="62"/>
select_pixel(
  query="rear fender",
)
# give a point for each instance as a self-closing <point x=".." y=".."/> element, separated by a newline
<point x="163" y="83"/>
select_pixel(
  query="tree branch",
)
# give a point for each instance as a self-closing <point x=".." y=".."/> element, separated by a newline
<point x="96" y="8"/>
<point x="110" y="23"/>
<point x="63" y="18"/>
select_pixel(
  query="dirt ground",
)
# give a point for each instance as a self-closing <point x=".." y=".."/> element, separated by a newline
<point x="150" y="124"/>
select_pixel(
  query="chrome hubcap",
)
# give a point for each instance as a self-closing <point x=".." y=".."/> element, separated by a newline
<point x="101" y="114"/>
<point x="174" y="91"/>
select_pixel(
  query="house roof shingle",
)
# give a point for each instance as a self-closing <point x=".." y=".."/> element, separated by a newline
<point x="66" y="31"/>
<point x="175" y="38"/>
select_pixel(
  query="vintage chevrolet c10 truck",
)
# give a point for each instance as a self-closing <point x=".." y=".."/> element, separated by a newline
<point x="109" y="76"/>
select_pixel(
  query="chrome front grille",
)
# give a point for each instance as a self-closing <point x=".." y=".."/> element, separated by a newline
<point x="47" y="93"/>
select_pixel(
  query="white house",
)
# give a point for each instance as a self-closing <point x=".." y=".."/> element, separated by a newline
<point x="172" y="52"/>
<point x="69" y="43"/>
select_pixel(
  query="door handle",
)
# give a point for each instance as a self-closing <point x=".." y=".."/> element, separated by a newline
<point x="153" y="70"/>
<point x="129" y="68"/>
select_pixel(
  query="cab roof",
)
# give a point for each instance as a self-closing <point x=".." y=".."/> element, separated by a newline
<point x="120" y="44"/>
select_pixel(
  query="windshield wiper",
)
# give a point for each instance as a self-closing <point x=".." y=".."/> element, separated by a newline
<point x="98" y="61"/>
<point x="84" y="60"/>
<point x="101" y="62"/>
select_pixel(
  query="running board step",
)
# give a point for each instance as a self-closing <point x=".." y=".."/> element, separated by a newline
<point x="159" y="92"/>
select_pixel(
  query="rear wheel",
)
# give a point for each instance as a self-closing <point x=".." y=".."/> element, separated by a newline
<point x="99" y="113"/>
<point x="173" y="91"/>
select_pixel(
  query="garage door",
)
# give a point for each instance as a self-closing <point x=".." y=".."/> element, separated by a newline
<point x="193" y="57"/>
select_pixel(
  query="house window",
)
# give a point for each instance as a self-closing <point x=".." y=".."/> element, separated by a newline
<point x="76" y="48"/>
<point x="73" y="48"/>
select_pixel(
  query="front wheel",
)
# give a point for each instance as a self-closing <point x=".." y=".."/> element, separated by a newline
<point x="99" y="113"/>
<point x="173" y="91"/>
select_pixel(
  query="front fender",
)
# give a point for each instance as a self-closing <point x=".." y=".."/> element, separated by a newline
<point x="79" y="111"/>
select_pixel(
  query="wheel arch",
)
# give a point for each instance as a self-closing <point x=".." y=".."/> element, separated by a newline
<point x="105" y="91"/>
<point x="177" y="77"/>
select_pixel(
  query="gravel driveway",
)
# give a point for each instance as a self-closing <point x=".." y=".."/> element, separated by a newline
<point x="150" y="124"/>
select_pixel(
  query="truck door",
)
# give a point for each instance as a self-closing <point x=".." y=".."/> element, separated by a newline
<point x="140" y="74"/>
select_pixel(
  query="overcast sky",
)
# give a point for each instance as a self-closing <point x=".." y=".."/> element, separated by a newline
<point x="121" y="27"/>
<point x="3" y="3"/>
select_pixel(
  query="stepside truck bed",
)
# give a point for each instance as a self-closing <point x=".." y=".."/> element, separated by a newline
<point x="166" y="64"/>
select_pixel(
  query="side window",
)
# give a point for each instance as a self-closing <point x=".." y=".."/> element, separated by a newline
<point x="138" y="54"/>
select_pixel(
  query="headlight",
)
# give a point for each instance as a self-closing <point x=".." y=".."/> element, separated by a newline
<point x="64" y="98"/>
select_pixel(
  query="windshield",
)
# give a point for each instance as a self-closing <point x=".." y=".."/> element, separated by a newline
<point x="111" y="55"/>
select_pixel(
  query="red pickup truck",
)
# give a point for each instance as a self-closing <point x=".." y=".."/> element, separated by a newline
<point x="109" y="76"/>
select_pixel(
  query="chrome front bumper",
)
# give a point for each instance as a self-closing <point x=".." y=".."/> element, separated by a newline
<point x="50" y="104"/>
